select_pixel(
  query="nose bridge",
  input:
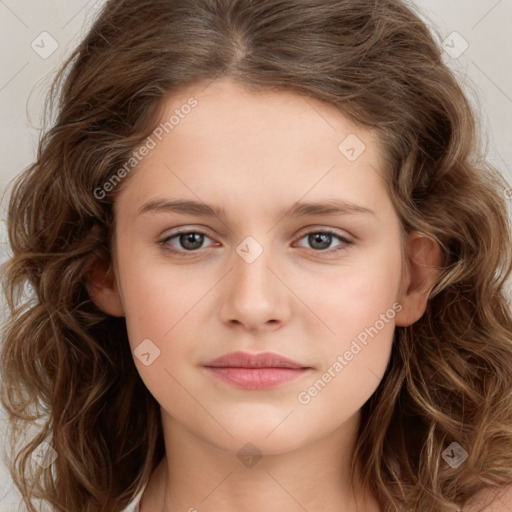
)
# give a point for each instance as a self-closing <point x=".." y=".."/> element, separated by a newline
<point x="252" y="277"/>
<point x="255" y="295"/>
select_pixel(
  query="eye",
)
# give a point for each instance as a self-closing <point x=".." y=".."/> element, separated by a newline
<point x="188" y="241"/>
<point x="321" y="240"/>
<point x="183" y="242"/>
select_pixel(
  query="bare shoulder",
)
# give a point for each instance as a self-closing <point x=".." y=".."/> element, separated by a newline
<point x="491" y="500"/>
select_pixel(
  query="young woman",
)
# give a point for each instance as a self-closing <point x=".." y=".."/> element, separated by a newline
<point x="269" y="266"/>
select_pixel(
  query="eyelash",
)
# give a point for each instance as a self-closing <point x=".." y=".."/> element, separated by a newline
<point x="183" y="253"/>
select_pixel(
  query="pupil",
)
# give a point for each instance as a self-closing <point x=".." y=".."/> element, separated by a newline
<point x="192" y="238"/>
<point x="317" y="237"/>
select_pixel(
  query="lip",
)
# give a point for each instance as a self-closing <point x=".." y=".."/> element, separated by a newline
<point x="248" y="360"/>
<point x="255" y="371"/>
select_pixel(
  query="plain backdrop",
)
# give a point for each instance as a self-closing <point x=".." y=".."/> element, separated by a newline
<point x="36" y="36"/>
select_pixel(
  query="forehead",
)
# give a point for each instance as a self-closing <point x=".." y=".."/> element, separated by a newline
<point x="275" y="145"/>
<point x="229" y="114"/>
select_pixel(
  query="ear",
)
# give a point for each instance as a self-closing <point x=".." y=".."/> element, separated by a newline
<point x="101" y="285"/>
<point x="423" y="266"/>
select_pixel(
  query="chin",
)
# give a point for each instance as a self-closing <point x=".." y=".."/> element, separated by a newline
<point x="259" y="444"/>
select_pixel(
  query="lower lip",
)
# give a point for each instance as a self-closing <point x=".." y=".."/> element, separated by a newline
<point x="256" y="378"/>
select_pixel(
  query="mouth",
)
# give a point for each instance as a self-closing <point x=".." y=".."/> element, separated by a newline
<point x="255" y="371"/>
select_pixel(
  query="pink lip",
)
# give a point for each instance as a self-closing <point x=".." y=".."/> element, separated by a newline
<point x="248" y="360"/>
<point x="255" y="371"/>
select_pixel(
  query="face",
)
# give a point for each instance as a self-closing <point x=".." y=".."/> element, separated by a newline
<point x="320" y="286"/>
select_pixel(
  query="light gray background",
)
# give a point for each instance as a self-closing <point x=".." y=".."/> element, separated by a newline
<point x="27" y="65"/>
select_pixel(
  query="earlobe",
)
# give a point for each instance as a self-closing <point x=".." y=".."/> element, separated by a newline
<point x="424" y="262"/>
<point x="102" y="287"/>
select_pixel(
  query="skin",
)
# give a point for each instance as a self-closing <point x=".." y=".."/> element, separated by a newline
<point x="256" y="154"/>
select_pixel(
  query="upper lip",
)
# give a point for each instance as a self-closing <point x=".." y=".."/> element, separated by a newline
<point x="248" y="360"/>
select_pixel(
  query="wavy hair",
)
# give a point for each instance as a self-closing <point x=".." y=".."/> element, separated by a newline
<point x="68" y="374"/>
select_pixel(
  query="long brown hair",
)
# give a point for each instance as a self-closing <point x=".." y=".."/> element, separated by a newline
<point x="68" y="373"/>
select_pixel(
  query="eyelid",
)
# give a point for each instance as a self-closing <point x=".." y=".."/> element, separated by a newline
<point x="304" y="231"/>
<point x="169" y="233"/>
<point x="325" y="229"/>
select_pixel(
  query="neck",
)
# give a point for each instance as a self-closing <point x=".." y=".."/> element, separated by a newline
<point x="197" y="476"/>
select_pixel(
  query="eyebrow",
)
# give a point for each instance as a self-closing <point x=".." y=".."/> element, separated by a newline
<point x="299" y="209"/>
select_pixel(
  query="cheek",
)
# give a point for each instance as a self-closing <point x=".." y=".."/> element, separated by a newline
<point x="159" y="306"/>
<point x="353" y="296"/>
<point x="353" y="362"/>
<point x="163" y="304"/>
<point x="157" y="297"/>
<point x="359" y="304"/>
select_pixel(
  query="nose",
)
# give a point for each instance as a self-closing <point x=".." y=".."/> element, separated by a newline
<point x="253" y="296"/>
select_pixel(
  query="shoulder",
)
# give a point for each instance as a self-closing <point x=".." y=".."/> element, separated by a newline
<point x="132" y="507"/>
<point x="491" y="500"/>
